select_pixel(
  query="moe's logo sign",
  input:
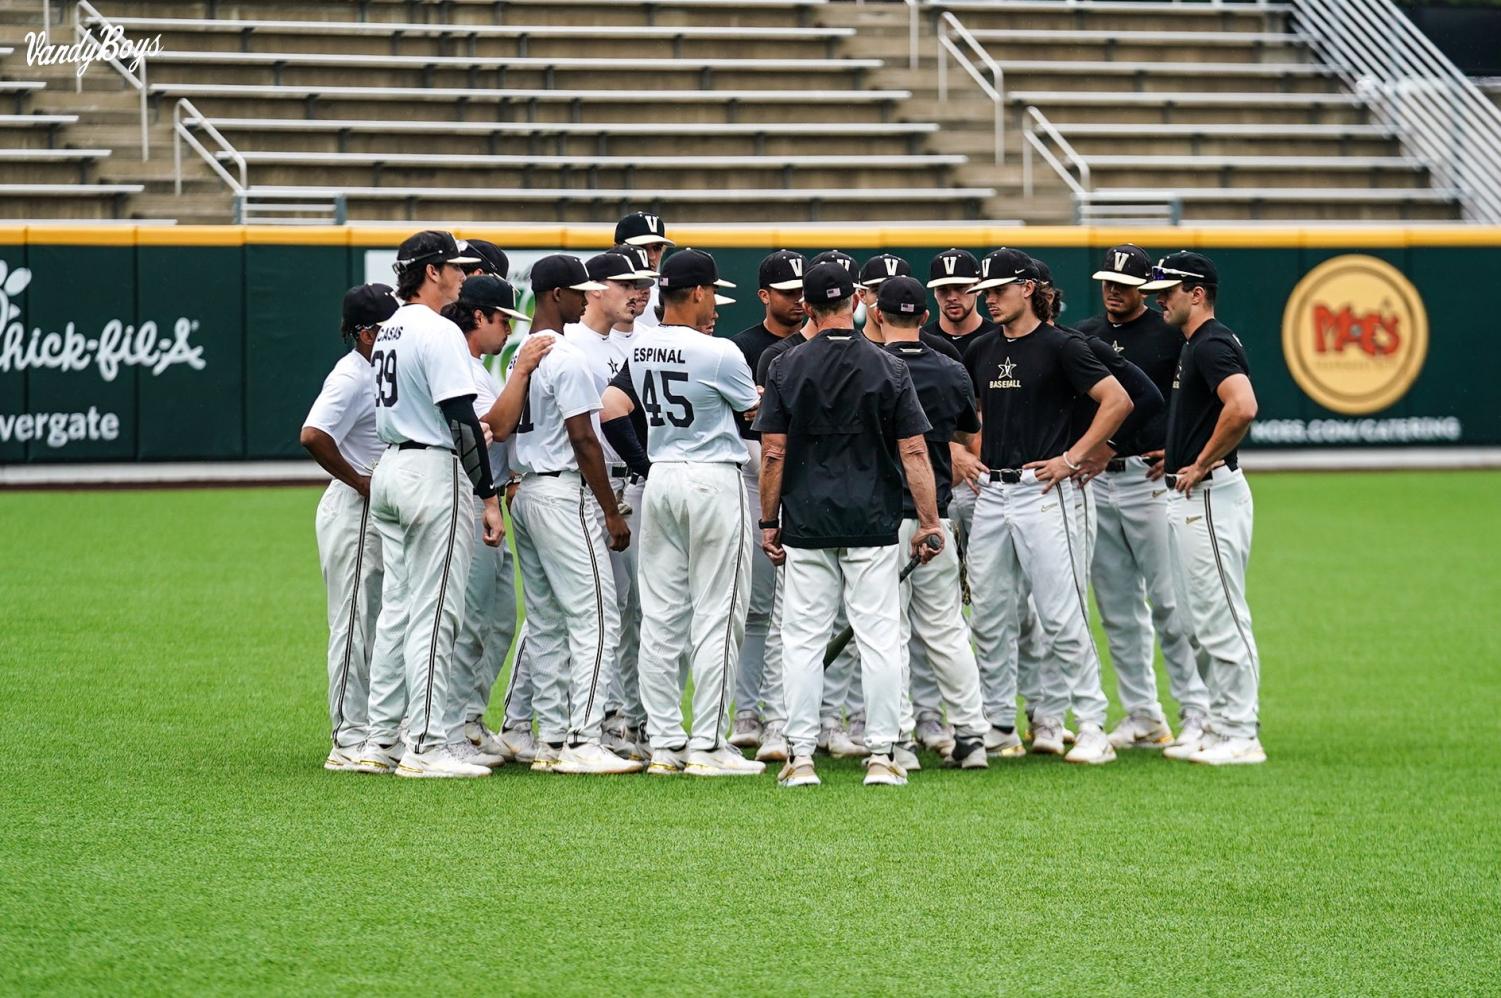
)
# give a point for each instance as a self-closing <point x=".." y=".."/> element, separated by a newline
<point x="1355" y="334"/>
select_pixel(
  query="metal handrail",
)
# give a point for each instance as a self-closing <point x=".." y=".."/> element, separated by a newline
<point x="1036" y="121"/>
<point x="994" y="88"/>
<point x="82" y="28"/>
<point x="1440" y="113"/>
<point x="182" y="132"/>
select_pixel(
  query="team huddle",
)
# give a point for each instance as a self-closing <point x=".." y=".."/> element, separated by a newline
<point x="790" y="520"/>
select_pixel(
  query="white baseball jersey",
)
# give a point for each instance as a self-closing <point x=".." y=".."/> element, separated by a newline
<point x="691" y="386"/>
<point x="420" y="359"/>
<point x="345" y="410"/>
<point x="561" y="387"/>
<point x="605" y="359"/>
<point x="486" y="392"/>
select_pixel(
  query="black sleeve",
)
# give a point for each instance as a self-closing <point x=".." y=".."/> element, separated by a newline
<point x="1217" y="359"/>
<point x="907" y="417"/>
<point x="942" y="345"/>
<point x="1145" y="397"/>
<point x="773" y="415"/>
<point x="964" y="391"/>
<point x="621" y="434"/>
<point x="622" y="380"/>
<point x="469" y="441"/>
<point x="1082" y="368"/>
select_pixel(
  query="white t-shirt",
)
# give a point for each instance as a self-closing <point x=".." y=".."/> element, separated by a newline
<point x="648" y="319"/>
<point x="345" y="410"/>
<point x="605" y="358"/>
<point x="420" y="359"/>
<point x="487" y="390"/>
<point x="561" y="387"/>
<point x="691" y="386"/>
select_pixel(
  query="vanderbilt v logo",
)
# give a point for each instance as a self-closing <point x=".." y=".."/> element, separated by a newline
<point x="652" y="222"/>
<point x="890" y="267"/>
<point x="949" y="263"/>
<point x="797" y="265"/>
<point x="1120" y="261"/>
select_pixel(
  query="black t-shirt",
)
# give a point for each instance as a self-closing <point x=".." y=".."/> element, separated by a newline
<point x="1212" y="354"/>
<point x="753" y="342"/>
<point x="961" y="344"/>
<point x="1146" y="401"/>
<point x="948" y="400"/>
<point x="843" y="403"/>
<point x="1026" y="389"/>
<point x="772" y="351"/>
<point x="1152" y="345"/>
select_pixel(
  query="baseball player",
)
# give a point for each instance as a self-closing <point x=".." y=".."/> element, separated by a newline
<point x="695" y="534"/>
<point x="952" y="276"/>
<point x="1209" y="508"/>
<point x="424" y="394"/>
<point x="1131" y="569"/>
<point x="649" y="232"/>
<point x="840" y="423"/>
<point x="488" y="259"/>
<point x="339" y="433"/>
<point x="573" y="624"/>
<point x="760" y="713"/>
<point x="1027" y="375"/>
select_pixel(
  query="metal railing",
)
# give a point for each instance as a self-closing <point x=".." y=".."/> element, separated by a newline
<point x="912" y="6"/>
<point x="950" y="29"/>
<point x="182" y="131"/>
<point x="85" y="16"/>
<point x="1090" y="206"/>
<point x="1442" y="116"/>
<point x="1035" y="122"/>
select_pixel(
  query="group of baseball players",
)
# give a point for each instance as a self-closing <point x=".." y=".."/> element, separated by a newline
<point x="790" y="520"/>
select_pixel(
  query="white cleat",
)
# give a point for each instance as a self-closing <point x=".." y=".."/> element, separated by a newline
<point x="592" y="759"/>
<point x="773" y="744"/>
<point x="1092" y="747"/>
<point x="487" y="741"/>
<point x="842" y="746"/>
<point x="343" y="759"/>
<point x="667" y="762"/>
<point x="882" y="771"/>
<point x="1047" y="736"/>
<point x="746" y="731"/>
<point x="1003" y="744"/>
<point x="519" y="744"/>
<point x="1140" y="731"/>
<point x="1231" y="752"/>
<point x="934" y="736"/>
<point x="799" y="773"/>
<point x="380" y="760"/>
<point x="437" y="764"/>
<point x="465" y="752"/>
<point x="618" y="738"/>
<point x="856" y="730"/>
<point x="971" y="753"/>
<point x="1191" y="738"/>
<point x="905" y="756"/>
<point x="546" y="759"/>
<point x="723" y="761"/>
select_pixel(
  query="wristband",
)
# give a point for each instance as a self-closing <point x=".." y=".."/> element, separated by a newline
<point x="772" y="524"/>
<point x="1071" y="465"/>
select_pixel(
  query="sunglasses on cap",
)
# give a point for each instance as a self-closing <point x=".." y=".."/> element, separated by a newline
<point x="1161" y="273"/>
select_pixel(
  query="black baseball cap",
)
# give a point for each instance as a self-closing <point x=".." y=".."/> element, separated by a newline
<point x="641" y="228"/>
<point x="430" y="246"/>
<point x="1183" y="267"/>
<point x="492" y="259"/>
<point x="826" y="282"/>
<point x="637" y="256"/>
<point x="614" y="267"/>
<point x="782" y="270"/>
<point x="489" y="291"/>
<point x="367" y="305"/>
<point x="690" y="268"/>
<point x="835" y="256"/>
<point x="1126" y="264"/>
<point x="901" y="295"/>
<point x="953" y="266"/>
<point x="562" y="271"/>
<point x="1043" y="271"/>
<point x="883" y="266"/>
<point x="1005" y="265"/>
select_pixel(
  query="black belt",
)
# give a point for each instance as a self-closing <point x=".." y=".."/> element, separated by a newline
<point x="547" y="474"/>
<point x="1011" y="476"/>
<point x="622" y="471"/>
<point x="414" y="445"/>
<point x="1172" y="480"/>
<point x="1116" y="464"/>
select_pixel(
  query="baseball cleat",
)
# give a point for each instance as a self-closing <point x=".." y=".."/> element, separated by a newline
<point x="841" y="745"/>
<point x="487" y="741"/>
<point x="856" y="731"/>
<point x="746" y="731"/>
<point x="723" y="761"/>
<point x="546" y="759"/>
<point x="1141" y="731"/>
<point x="616" y="737"/>
<point x="343" y="759"/>
<point x="934" y="736"/>
<point x="463" y="751"/>
<point x="667" y="762"/>
<point x="1231" y="752"/>
<point x="1092" y="747"/>
<point x="1191" y="738"/>
<point x="592" y="759"/>
<point x="882" y="771"/>
<point x="1003" y="744"/>
<point x="773" y="744"/>
<point x="519" y="744"/>
<point x="1047" y="736"/>
<point x="379" y="759"/>
<point x="905" y="756"/>
<point x="437" y="764"/>
<point x="799" y="773"/>
<point x="970" y="753"/>
<point x="1068" y="736"/>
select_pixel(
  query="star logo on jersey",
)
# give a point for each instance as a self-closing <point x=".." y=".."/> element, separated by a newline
<point x="614" y="367"/>
<point x="1004" y="375"/>
<point x="1005" y="368"/>
<point x="1116" y="346"/>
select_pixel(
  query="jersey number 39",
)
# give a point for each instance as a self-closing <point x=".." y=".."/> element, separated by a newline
<point x="385" y="377"/>
<point x="679" y="410"/>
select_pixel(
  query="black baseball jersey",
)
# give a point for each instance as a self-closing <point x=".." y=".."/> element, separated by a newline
<point x="961" y="344"/>
<point x="1212" y="354"/>
<point x="1026" y="389"/>
<point x="948" y="400"/>
<point x="1146" y="401"/>
<point x="754" y="342"/>
<point x="773" y="351"/>
<point x="1152" y="345"/>
<point x="843" y="404"/>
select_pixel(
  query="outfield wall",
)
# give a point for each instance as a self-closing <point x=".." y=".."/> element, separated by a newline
<point x="209" y="343"/>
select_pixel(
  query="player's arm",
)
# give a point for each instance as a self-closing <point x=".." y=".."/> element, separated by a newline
<point x="772" y="422"/>
<point x="506" y="412"/>
<point x="911" y="425"/>
<point x="469" y="441"/>
<point x="615" y="422"/>
<point x="326" y="452"/>
<point x="1239" y="412"/>
<point x="591" y="462"/>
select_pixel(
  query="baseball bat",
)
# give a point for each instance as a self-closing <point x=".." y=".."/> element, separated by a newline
<point x="843" y="637"/>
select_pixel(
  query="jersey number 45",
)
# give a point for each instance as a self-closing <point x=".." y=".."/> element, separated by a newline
<point x="654" y="405"/>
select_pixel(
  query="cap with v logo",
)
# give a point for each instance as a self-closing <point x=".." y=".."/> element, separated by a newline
<point x="953" y="266"/>
<point x="1003" y="266"/>
<point x="1126" y="264"/>
<point x="883" y="267"/>
<point x="641" y="228"/>
<point x="782" y="270"/>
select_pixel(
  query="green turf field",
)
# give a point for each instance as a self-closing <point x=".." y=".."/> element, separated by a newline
<point x="167" y="826"/>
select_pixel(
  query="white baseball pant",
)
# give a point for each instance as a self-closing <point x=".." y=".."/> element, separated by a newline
<point x="1040" y="677"/>
<point x="758" y="679"/>
<point x="516" y="710"/>
<point x="1210" y="535"/>
<point x="349" y="553"/>
<point x="817" y="579"/>
<point x="842" y="696"/>
<point x="573" y="625"/>
<point x="624" y="694"/>
<point x="1136" y="594"/>
<point x="932" y="619"/>
<point x="420" y="502"/>
<point x="488" y="627"/>
<point x="695" y="588"/>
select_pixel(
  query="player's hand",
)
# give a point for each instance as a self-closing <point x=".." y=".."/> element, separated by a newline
<point x="489" y="433"/>
<point x="968" y="468"/>
<point x="1050" y="473"/>
<point x="771" y="543"/>
<point x="619" y="531"/>
<point x="495" y="523"/>
<point x="511" y="488"/>
<point x="362" y="485"/>
<point x="1093" y="463"/>
<point x="924" y="548"/>
<point x="532" y="352"/>
<point x="1188" y="477"/>
<point x="1156" y="465"/>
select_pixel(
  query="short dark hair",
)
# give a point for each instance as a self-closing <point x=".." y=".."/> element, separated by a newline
<point x="676" y="295"/>
<point x="1210" y="291"/>
<point x="824" y="309"/>
<point x="901" y="320"/>
<point x="409" y="280"/>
